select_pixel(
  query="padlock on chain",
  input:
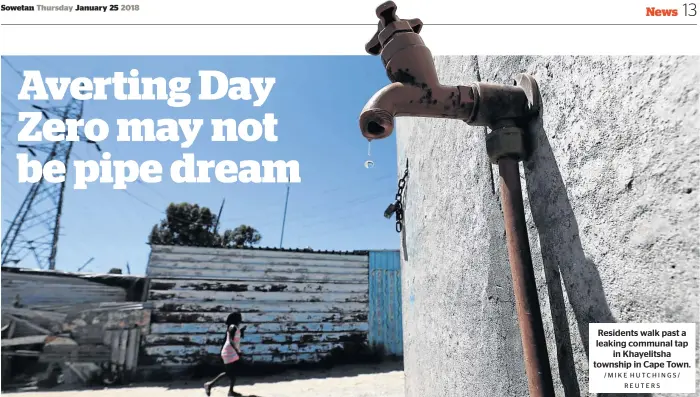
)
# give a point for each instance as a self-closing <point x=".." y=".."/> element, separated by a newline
<point x="390" y="210"/>
<point x="397" y="206"/>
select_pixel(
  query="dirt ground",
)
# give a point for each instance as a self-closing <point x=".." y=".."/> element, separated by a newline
<point x="350" y="381"/>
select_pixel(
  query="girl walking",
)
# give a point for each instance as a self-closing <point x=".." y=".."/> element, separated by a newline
<point x="230" y="353"/>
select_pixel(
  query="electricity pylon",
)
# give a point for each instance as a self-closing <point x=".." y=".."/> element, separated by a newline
<point x="36" y="227"/>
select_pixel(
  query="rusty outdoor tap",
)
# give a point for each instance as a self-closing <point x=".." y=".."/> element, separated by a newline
<point x="416" y="90"/>
<point x="507" y="110"/>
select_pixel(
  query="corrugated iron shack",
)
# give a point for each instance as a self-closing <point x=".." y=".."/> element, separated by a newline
<point x="86" y="325"/>
<point x="42" y="288"/>
<point x="298" y="304"/>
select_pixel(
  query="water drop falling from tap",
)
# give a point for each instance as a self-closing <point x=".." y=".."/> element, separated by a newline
<point x="369" y="163"/>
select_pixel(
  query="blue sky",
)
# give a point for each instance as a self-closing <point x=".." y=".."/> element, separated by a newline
<point x="317" y="100"/>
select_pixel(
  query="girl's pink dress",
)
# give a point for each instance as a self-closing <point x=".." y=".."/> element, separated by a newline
<point x="228" y="353"/>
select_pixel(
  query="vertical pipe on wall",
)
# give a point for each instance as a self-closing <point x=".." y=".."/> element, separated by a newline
<point x="527" y="303"/>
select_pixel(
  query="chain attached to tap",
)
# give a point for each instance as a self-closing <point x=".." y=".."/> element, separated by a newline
<point x="397" y="206"/>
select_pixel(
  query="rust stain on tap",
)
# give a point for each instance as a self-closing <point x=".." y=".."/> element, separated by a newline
<point x="415" y="89"/>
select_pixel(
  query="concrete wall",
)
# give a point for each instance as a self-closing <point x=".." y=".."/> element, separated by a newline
<point x="612" y="205"/>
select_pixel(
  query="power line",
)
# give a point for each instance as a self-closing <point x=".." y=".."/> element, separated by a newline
<point x="10" y="194"/>
<point x="308" y="227"/>
<point x="341" y="205"/>
<point x="4" y="164"/>
<point x="153" y="207"/>
<point x="13" y="67"/>
<point x="10" y="102"/>
<point x="319" y="194"/>
<point x="149" y="187"/>
<point x="36" y="226"/>
<point x="353" y="202"/>
<point x="145" y="203"/>
<point x="40" y="193"/>
<point x="7" y="126"/>
<point x="328" y="220"/>
<point x="335" y="228"/>
<point x="15" y="188"/>
<point x="270" y="205"/>
<point x="345" y="204"/>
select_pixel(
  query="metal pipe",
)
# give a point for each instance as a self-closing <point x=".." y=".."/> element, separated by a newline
<point x="537" y="366"/>
<point x="404" y="99"/>
<point x="507" y="110"/>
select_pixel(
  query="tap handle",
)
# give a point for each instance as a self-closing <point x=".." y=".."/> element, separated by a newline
<point x="416" y="25"/>
<point x="386" y="13"/>
<point x="373" y="46"/>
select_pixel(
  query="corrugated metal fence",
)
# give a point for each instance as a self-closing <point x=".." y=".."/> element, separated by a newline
<point x="385" y="320"/>
<point x="39" y="289"/>
<point x="297" y="305"/>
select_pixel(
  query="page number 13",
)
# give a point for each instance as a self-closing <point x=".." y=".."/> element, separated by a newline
<point x="689" y="9"/>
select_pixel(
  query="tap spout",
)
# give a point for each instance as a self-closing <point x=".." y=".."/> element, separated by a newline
<point x="414" y="100"/>
<point x="416" y="91"/>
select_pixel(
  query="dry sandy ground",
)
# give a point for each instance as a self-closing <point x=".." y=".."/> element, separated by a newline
<point x="340" y="382"/>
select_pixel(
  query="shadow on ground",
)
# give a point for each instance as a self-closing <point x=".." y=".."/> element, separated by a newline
<point x="197" y="382"/>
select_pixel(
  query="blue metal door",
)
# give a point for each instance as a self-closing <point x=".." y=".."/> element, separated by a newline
<point x="385" y="320"/>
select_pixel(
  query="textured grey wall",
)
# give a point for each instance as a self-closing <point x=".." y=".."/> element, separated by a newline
<point x="612" y="204"/>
